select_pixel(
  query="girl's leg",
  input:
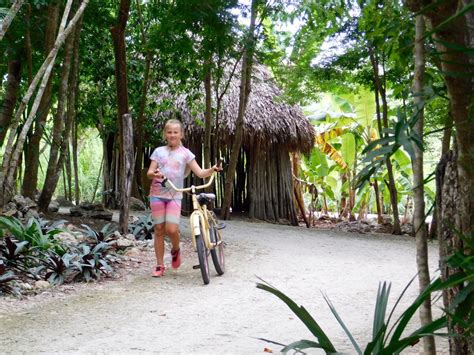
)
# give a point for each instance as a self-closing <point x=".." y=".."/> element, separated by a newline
<point x="158" y="212"/>
<point x="172" y="230"/>
<point x="159" y="243"/>
<point x="173" y="213"/>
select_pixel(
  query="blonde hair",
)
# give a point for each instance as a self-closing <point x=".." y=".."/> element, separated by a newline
<point x="170" y="122"/>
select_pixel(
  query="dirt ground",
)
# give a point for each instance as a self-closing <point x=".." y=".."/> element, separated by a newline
<point x="177" y="314"/>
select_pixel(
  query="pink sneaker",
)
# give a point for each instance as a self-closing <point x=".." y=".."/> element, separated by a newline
<point x="158" y="271"/>
<point x="176" y="258"/>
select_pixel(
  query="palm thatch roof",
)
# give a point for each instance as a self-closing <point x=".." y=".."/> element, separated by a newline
<point x="269" y="121"/>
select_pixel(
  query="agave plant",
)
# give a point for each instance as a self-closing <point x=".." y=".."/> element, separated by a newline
<point x="12" y="254"/>
<point x="97" y="237"/>
<point x="35" y="233"/>
<point x="91" y="262"/>
<point x="387" y="338"/>
<point x="6" y="276"/>
<point x="142" y="228"/>
<point x="58" y="267"/>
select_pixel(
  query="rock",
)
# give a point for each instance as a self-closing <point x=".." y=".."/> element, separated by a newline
<point x="105" y="214"/>
<point x="133" y="253"/>
<point x="136" y="204"/>
<point x="19" y="200"/>
<point x="63" y="202"/>
<point x="53" y="206"/>
<point x="76" y="212"/>
<point x="67" y="237"/>
<point x="26" y="286"/>
<point x="87" y="206"/>
<point x="129" y="236"/>
<point x="29" y="203"/>
<point x="124" y="243"/>
<point x="42" y="285"/>
<point x="32" y="214"/>
<point x="10" y="212"/>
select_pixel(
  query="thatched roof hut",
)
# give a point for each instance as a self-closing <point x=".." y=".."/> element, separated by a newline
<point x="263" y="187"/>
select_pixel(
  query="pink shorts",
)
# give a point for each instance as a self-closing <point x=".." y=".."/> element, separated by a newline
<point x="164" y="210"/>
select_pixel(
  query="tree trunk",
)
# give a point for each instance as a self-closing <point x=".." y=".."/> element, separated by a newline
<point x="245" y="87"/>
<point x="60" y="133"/>
<point x="32" y="154"/>
<point x="11" y="94"/>
<point x="296" y="162"/>
<point x="455" y="195"/>
<point x="118" y="37"/>
<point x="128" y="160"/>
<point x="71" y="110"/>
<point x="9" y="17"/>
<point x="207" y="115"/>
<point x="75" y="163"/>
<point x="378" y="204"/>
<point x="28" y="49"/>
<point x="380" y="90"/>
<point x="445" y="146"/>
<point x="137" y="187"/>
<point x="419" y="224"/>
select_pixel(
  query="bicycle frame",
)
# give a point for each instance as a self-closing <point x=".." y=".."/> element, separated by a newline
<point x="200" y="214"/>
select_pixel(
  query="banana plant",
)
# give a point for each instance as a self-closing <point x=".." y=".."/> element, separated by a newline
<point x="344" y="126"/>
<point x="338" y="138"/>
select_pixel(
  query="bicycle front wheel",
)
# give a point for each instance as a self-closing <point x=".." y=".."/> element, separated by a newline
<point x="217" y="252"/>
<point x="202" y="256"/>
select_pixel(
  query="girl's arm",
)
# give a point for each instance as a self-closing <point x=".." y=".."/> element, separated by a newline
<point x="153" y="171"/>
<point x="202" y="173"/>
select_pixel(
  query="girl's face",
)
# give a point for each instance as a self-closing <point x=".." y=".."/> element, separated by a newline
<point x="173" y="135"/>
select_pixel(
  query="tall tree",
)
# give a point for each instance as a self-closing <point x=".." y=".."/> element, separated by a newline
<point x="118" y="37"/>
<point x="11" y="94"/>
<point x="32" y="153"/>
<point x="419" y="223"/>
<point x="60" y="134"/>
<point x="448" y="21"/>
<point x="245" y="88"/>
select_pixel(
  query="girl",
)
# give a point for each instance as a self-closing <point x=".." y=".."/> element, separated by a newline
<point x="173" y="161"/>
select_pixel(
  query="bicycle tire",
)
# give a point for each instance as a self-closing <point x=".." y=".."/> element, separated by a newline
<point x="202" y="256"/>
<point x="217" y="253"/>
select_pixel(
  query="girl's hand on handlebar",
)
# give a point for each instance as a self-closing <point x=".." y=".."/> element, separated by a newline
<point x="217" y="168"/>
<point x="158" y="174"/>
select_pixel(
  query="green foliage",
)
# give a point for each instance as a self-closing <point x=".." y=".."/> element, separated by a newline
<point x="387" y="338"/>
<point x="142" y="228"/>
<point x="6" y="276"/>
<point x="58" y="267"/>
<point x="33" y="252"/>
<point x="91" y="262"/>
<point x="33" y="233"/>
<point x="378" y="151"/>
<point x="96" y="237"/>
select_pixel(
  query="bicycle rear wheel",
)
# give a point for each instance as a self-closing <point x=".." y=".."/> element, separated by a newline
<point x="217" y="252"/>
<point x="202" y="256"/>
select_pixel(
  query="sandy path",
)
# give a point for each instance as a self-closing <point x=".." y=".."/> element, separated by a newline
<point x="179" y="314"/>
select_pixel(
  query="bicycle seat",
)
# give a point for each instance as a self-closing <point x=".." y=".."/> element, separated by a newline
<point x="204" y="198"/>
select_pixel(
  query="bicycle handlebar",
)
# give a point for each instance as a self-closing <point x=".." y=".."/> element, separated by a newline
<point x="185" y="189"/>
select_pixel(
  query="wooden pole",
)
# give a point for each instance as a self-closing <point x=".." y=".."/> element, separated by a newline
<point x="127" y="172"/>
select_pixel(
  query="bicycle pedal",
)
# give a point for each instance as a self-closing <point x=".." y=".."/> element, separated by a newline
<point x="220" y="225"/>
<point x="195" y="267"/>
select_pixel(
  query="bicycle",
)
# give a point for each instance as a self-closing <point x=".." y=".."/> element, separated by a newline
<point x="205" y="229"/>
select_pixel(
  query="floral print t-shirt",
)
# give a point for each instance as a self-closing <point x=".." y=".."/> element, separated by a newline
<point x="172" y="163"/>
